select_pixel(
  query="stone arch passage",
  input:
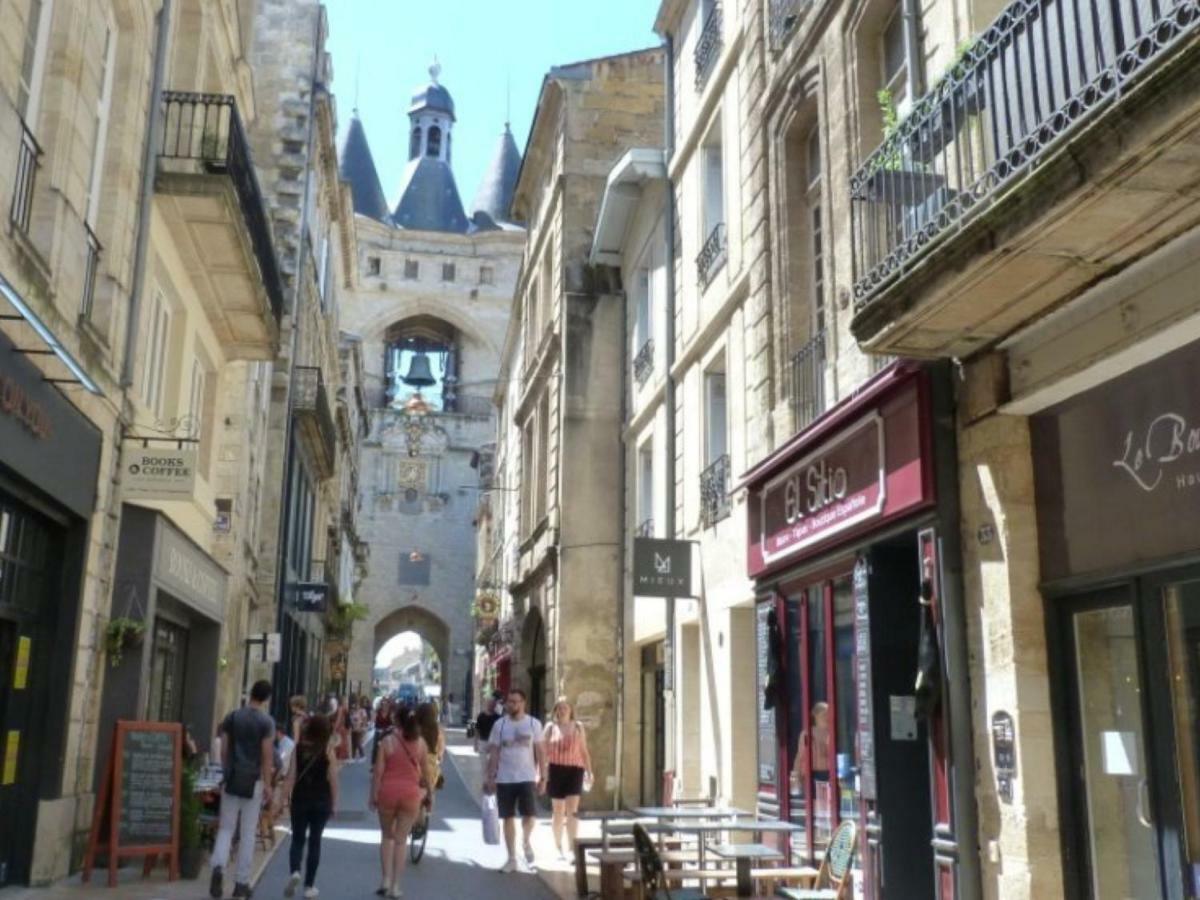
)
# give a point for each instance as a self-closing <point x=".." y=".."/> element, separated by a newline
<point x="422" y="622"/>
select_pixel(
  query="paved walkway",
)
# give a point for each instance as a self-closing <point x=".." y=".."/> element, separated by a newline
<point x="457" y="864"/>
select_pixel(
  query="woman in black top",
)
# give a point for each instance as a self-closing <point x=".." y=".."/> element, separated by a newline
<point x="312" y="784"/>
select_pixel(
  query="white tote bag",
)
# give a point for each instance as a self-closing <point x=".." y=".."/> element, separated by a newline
<point x="491" y="820"/>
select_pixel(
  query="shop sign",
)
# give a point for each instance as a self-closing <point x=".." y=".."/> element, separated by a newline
<point x="312" y="596"/>
<point x="836" y="487"/>
<point x="16" y="403"/>
<point x="157" y="474"/>
<point x="662" y="568"/>
<point x="188" y="573"/>
<point x="1126" y="453"/>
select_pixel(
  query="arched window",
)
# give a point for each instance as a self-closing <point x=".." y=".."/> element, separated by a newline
<point x="449" y="146"/>
<point x="433" y="143"/>
<point x="414" y="144"/>
<point x="430" y="344"/>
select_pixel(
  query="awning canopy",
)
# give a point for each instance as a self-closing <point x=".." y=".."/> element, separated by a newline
<point x="19" y="311"/>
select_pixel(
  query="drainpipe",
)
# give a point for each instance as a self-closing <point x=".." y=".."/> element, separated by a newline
<point x="154" y="128"/>
<point x="623" y="552"/>
<point x="669" y="398"/>
<point x="912" y="49"/>
<point x="289" y="464"/>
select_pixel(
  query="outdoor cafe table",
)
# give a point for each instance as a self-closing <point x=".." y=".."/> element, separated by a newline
<point x="604" y="817"/>
<point x="688" y="812"/>
<point x="745" y="855"/>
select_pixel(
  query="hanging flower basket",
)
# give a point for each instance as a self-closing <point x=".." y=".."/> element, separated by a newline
<point x="122" y="634"/>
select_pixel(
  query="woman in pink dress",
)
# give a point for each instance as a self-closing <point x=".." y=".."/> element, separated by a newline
<point x="397" y="791"/>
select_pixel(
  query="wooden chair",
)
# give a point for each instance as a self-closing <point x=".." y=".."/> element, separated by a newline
<point x="653" y="882"/>
<point x="833" y="880"/>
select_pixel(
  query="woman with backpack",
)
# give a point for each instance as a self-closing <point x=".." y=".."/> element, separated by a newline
<point x="312" y="785"/>
<point x="398" y="788"/>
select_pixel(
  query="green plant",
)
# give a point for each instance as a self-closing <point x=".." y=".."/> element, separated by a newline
<point x="341" y="618"/>
<point x="189" y="811"/>
<point x="121" y="634"/>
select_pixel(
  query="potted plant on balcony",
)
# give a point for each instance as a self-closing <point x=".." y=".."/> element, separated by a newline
<point x="122" y="634"/>
<point x="191" y="853"/>
<point x="339" y="621"/>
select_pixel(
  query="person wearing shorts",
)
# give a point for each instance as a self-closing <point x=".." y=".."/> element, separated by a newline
<point x="516" y="774"/>
<point x="570" y="766"/>
<point x="397" y="792"/>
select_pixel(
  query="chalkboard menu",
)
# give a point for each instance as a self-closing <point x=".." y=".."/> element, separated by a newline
<point x="862" y="681"/>
<point x="137" y="811"/>
<point x="768" y="745"/>
<point x="147" y="788"/>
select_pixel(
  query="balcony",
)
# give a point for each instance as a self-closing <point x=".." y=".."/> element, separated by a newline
<point x="714" y="492"/>
<point x="808" y="382"/>
<point x="643" y="363"/>
<point x="783" y="18"/>
<point x="208" y="195"/>
<point x="712" y="256"/>
<point x="314" y="419"/>
<point x="29" y="156"/>
<point x="708" y="46"/>
<point x="1012" y="184"/>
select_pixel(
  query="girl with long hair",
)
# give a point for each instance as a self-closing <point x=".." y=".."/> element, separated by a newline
<point x="312" y="785"/>
<point x="570" y="763"/>
<point x="397" y="791"/>
<point x="435" y="742"/>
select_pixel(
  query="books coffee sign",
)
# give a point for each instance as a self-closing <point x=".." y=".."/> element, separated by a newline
<point x="662" y="568"/>
<point x="157" y="474"/>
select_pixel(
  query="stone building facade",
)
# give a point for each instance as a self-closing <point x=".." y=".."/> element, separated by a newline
<point x="558" y="464"/>
<point x="434" y="287"/>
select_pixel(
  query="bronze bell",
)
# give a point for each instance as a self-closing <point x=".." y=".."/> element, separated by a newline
<point x="419" y="374"/>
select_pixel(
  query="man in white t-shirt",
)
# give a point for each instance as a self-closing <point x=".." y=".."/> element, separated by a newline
<point x="516" y="774"/>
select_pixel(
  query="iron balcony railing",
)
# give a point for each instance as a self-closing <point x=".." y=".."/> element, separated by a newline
<point x="1036" y="77"/>
<point x="708" y="45"/>
<point x="880" y="361"/>
<point x="643" y="363"/>
<point x="207" y="128"/>
<point x="784" y="14"/>
<point x="808" y="381"/>
<point x="310" y="403"/>
<point x="90" y="268"/>
<point x="712" y="256"/>
<point x="714" y="492"/>
<point x="645" y="529"/>
<point x="29" y="155"/>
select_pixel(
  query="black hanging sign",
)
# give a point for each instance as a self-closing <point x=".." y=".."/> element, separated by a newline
<point x="312" y="596"/>
<point x="662" y="568"/>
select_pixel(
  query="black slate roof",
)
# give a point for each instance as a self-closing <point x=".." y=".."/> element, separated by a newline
<point x="429" y="198"/>
<point x="434" y="97"/>
<point x="357" y="167"/>
<point x="495" y="193"/>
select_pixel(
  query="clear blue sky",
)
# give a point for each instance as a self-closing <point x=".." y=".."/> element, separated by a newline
<point x="486" y="49"/>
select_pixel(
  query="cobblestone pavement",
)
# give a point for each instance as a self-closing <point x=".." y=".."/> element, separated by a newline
<point x="457" y="864"/>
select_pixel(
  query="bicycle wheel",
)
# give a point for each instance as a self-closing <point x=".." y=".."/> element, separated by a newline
<point x="418" y="836"/>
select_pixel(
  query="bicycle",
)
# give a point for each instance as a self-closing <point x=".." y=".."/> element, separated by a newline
<point x="419" y="835"/>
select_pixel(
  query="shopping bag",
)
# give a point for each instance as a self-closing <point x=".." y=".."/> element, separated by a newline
<point x="491" y="820"/>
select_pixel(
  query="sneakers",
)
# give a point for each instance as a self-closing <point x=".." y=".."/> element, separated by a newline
<point x="242" y="891"/>
<point x="509" y="867"/>
<point x="311" y="892"/>
<point x="216" y="886"/>
<point x="293" y="882"/>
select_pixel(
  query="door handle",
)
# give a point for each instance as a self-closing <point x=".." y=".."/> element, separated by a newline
<point x="1143" y="792"/>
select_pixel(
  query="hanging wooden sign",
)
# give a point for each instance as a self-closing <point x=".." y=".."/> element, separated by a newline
<point x="137" y="811"/>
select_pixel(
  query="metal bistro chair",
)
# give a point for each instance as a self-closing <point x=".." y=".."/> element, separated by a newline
<point x="650" y="864"/>
<point x="833" y="881"/>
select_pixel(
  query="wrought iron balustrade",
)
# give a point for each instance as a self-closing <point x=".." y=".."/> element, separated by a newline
<point x="643" y="363"/>
<point x="645" y="529"/>
<point x="708" y="45"/>
<point x="714" y="492"/>
<point x="784" y="14"/>
<point x="29" y="156"/>
<point x="1036" y="77"/>
<point x="206" y="128"/>
<point x="91" y="267"/>
<point x="808" y="381"/>
<point x="712" y="256"/>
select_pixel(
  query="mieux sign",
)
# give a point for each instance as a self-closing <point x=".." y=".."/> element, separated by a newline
<point x="157" y="474"/>
<point x="662" y="568"/>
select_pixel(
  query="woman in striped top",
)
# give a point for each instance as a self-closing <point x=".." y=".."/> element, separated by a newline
<point x="570" y="763"/>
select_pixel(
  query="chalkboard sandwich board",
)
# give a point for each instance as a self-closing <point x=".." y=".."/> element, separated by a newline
<point x="137" y="812"/>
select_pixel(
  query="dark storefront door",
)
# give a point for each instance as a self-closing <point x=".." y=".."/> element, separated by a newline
<point x="167" y="672"/>
<point x="1132" y="674"/>
<point x="30" y="551"/>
